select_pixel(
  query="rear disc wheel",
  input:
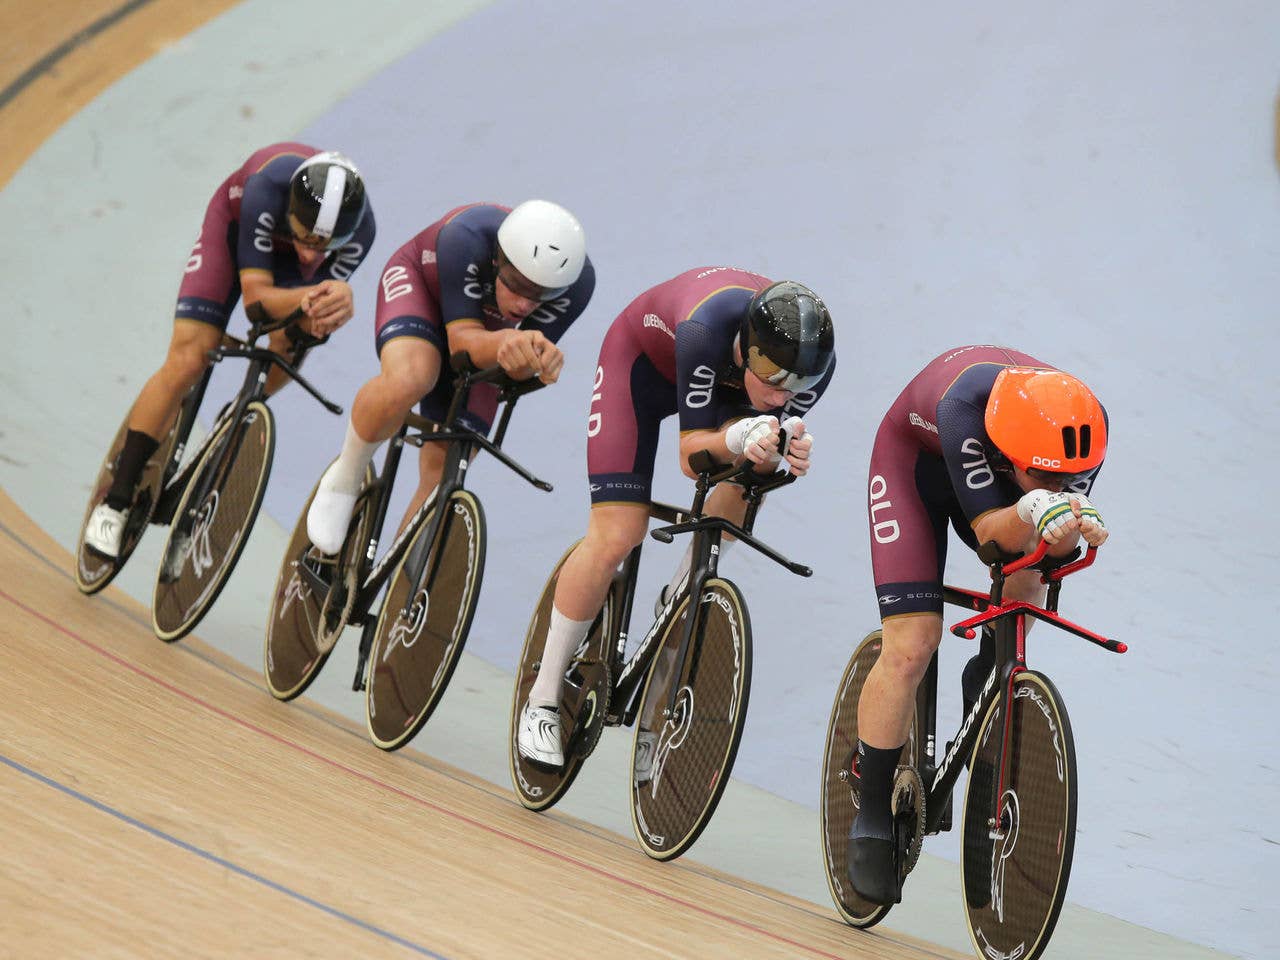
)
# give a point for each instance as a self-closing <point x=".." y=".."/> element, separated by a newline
<point x="839" y="792"/>
<point x="584" y="702"/>
<point x="304" y="625"/>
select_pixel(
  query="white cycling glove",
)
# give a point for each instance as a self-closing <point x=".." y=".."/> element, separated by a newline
<point x="1049" y="512"/>
<point x="743" y="433"/>
<point x="790" y="425"/>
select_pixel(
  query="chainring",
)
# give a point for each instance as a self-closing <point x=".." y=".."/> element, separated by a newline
<point x="338" y="602"/>
<point x="594" y="706"/>
<point x="908" y="818"/>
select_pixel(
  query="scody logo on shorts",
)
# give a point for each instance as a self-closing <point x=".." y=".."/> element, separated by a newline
<point x="617" y="485"/>
<point x="888" y="599"/>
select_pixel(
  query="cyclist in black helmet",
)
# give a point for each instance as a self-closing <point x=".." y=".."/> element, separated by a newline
<point x="738" y="356"/>
<point x="287" y="230"/>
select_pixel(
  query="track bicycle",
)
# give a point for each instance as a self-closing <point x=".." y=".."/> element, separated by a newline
<point x="684" y="688"/>
<point x="410" y="645"/>
<point x="1019" y="820"/>
<point x="209" y="500"/>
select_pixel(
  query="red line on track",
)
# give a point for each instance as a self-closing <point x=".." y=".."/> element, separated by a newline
<point x="421" y="801"/>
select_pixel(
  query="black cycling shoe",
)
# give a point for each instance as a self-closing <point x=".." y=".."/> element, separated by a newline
<point x="873" y="868"/>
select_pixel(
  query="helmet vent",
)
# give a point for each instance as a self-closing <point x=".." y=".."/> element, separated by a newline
<point x="1084" y="440"/>
<point x="1069" y="442"/>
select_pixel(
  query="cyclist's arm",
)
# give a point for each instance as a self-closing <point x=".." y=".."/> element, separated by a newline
<point x="693" y="441"/>
<point x="1014" y="535"/>
<point x="703" y="345"/>
<point x="258" y="287"/>
<point x="483" y="345"/>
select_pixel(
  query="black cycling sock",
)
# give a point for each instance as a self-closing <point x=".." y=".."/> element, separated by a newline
<point x="875" y="770"/>
<point x="137" y="450"/>
<point x="976" y="670"/>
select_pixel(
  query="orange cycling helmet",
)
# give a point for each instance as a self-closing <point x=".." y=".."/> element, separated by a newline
<point x="1046" y="420"/>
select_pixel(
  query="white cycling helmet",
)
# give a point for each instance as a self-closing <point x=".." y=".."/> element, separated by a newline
<point x="545" y="242"/>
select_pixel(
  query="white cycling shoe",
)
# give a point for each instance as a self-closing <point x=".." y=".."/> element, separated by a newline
<point x="105" y="530"/>
<point x="539" y="735"/>
<point x="330" y="514"/>
<point x="175" y="557"/>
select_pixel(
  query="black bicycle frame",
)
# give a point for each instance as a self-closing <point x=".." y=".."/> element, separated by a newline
<point x="463" y="443"/>
<point x="261" y="360"/>
<point x="707" y="534"/>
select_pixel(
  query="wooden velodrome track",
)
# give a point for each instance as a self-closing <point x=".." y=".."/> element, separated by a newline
<point x="156" y="801"/>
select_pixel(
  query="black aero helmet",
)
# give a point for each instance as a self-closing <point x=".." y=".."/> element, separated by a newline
<point x="327" y="199"/>
<point x="787" y="339"/>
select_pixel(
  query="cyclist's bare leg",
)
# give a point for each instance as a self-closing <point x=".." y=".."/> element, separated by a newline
<point x="1025" y="585"/>
<point x="280" y="345"/>
<point x="888" y="696"/>
<point x="726" y="501"/>
<point x="150" y="419"/>
<point x="430" y="467"/>
<point x="884" y="722"/>
<point x="184" y="364"/>
<point x="612" y="531"/>
<point x="410" y="369"/>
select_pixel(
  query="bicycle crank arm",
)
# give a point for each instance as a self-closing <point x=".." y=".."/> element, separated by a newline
<point x="313" y="578"/>
<point x="362" y="658"/>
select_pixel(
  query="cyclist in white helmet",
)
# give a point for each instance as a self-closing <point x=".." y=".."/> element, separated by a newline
<point x="501" y="284"/>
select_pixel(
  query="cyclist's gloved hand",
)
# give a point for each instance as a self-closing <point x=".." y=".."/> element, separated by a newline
<point x="1092" y="528"/>
<point x="799" y="446"/>
<point x="1056" y="515"/>
<point x="757" y="437"/>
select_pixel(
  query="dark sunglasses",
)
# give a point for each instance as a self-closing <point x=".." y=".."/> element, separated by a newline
<point x="522" y="286"/>
<point x="1061" y="481"/>
<point x="313" y="241"/>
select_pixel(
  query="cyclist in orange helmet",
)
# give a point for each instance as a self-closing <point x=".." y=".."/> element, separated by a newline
<point x="1002" y="447"/>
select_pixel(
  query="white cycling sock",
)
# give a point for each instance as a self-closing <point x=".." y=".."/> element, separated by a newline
<point x="564" y="636"/>
<point x="347" y="472"/>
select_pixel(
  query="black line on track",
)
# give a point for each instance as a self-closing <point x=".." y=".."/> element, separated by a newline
<point x="69" y="45"/>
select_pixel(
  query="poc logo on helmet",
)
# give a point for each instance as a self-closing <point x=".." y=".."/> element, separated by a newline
<point x="1046" y="462"/>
